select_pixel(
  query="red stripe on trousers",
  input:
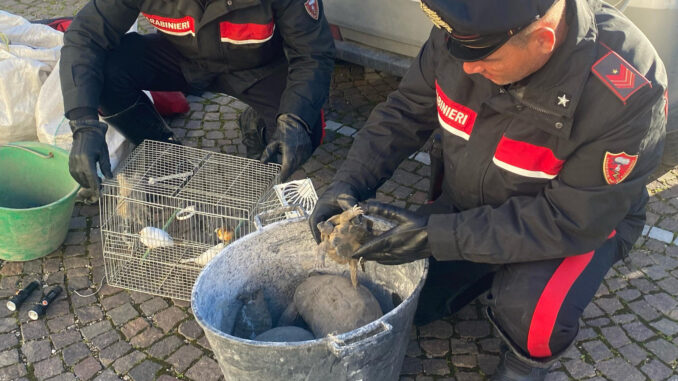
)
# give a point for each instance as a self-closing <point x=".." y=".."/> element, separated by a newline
<point x="550" y="301"/>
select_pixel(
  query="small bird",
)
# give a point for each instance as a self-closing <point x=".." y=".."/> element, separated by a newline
<point x="225" y="234"/>
<point x="206" y="256"/>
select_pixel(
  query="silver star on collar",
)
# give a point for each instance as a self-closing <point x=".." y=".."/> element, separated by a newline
<point x="562" y="100"/>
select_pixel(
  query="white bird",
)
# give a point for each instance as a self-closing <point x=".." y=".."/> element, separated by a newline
<point x="207" y="255"/>
<point x="153" y="237"/>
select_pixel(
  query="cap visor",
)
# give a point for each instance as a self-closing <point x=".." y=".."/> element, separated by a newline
<point x="466" y="54"/>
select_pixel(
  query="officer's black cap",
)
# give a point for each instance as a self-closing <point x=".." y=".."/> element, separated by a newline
<point x="479" y="27"/>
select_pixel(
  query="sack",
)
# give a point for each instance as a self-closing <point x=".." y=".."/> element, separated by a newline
<point x="28" y="54"/>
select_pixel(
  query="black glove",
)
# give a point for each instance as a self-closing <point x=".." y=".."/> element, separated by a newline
<point x="89" y="148"/>
<point x="292" y="139"/>
<point x="406" y="242"/>
<point x="338" y="197"/>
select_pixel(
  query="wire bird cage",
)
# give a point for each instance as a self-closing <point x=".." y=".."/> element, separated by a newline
<point x="171" y="208"/>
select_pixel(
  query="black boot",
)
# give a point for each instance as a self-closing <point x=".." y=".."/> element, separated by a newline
<point x="252" y="128"/>
<point x="516" y="368"/>
<point x="141" y="121"/>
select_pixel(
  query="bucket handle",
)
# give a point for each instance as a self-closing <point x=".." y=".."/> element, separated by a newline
<point x="360" y="339"/>
<point x="281" y="211"/>
<point x="42" y="155"/>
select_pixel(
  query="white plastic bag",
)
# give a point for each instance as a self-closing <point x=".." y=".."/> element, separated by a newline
<point x="28" y="53"/>
<point x="53" y="127"/>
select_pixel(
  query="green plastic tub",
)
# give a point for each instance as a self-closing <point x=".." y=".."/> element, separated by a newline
<point x="37" y="194"/>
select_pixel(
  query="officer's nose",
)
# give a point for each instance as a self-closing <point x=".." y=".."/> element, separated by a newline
<point x="474" y="67"/>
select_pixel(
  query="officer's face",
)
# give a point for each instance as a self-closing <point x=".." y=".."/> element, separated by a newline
<point x="512" y="62"/>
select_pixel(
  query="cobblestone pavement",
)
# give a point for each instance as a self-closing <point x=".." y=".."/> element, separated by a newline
<point x="629" y="332"/>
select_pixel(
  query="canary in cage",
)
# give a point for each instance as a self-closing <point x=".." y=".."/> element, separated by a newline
<point x="225" y="234"/>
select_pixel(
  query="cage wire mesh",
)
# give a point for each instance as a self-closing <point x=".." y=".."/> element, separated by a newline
<point x="169" y="209"/>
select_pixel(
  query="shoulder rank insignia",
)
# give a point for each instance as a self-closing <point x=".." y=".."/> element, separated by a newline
<point x="618" y="75"/>
<point x="618" y="166"/>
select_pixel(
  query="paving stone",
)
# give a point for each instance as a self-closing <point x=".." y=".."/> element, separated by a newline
<point x="597" y="350"/>
<point x="629" y="294"/>
<point x="438" y="329"/>
<point x="13" y="372"/>
<point x="463" y="361"/>
<point x="8" y="340"/>
<point x="633" y="353"/>
<point x="666" y="326"/>
<point x="146" y="338"/>
<point x="618" y="369"/>
<point x="488" y="363"/>
<point x="105" y="339"/>
<point x="152" y="306"/>
<point x="131" y="328"/>
<point x="65" y="338"/>
<point x="164" y="347"/>
<point x="615" y="336"/>
<point x="36" y="350"/>
<point x="666" y="351"/>
<point x="145" y="371"/>
<point x="89" y="314"/>
<point x="48" y="368"/>
<point x="127" y="362"/>
<point x="122" y="314"/>
<point x="139" y="297"/>
<point x="59" y="323"/>
<point x="115" y="300"/>
<point x="609" y="305"/>
<point x="663" y="302"/>
<point x="9" y="357"/>
<point x="183" y="357"/>
<point x="75" y="353"/>
<point x="87" y="368"/>
<point x="435" y="348"/>
<point x="95" y="329"/>
<point x="435" y="367"/>
<point x="579" y="369"/>
<point x="114" y="352"/>
<point x="655" y="370"/>
<point x="168" y="318"/>
<point x="34" y="330"/>
<point x="107" y="375"/>
<point x="473" y="329"/>
<point x="190" y="329"/>
<point x="165" y="377"/>
<point x="637" y="331"/>
<point x="205" y="369"/>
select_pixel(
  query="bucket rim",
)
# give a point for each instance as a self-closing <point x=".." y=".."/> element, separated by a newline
<point x="39" y="145"/>
<point x="291" y="344"/>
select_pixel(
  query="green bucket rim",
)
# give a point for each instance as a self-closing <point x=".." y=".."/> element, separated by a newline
<point x="36" y="145"/>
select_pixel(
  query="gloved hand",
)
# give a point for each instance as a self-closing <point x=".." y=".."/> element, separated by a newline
<point x="406" y="242"/>
<point x="89" y="148"/>
<point x="338" y="197"/>
<point x="292" y="140"/>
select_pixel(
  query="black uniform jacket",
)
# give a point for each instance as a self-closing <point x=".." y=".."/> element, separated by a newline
<point x="243" y="40"/>
<point x="542" y="169"/>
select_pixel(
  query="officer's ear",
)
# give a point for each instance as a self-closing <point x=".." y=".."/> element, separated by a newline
<point x="543" y="39"/>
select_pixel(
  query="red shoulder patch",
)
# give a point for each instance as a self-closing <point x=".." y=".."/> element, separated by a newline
<point x="618" y="75"/>
<point x="618" y="166"/>
<point x="312" y="8"/>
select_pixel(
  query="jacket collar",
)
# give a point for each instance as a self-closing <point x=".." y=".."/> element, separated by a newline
<point x="557" y="87"/>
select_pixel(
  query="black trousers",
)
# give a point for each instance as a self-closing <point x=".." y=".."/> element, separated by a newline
<point x="535" y="305"/>
<point x="149" y="62"/>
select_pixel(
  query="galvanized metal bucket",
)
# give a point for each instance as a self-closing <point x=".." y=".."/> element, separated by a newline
<point x="276" y="259"/>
